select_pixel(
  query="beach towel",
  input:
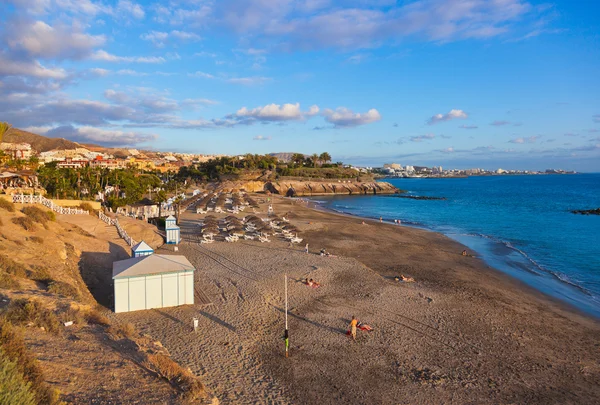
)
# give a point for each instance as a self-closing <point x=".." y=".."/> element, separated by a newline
<point x="365" y="327"/>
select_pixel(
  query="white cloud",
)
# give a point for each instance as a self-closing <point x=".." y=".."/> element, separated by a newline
<point x="109" y="137"/>
<point x="205" y="54"/>
<point x="453" y="114"/>
<point x="521" y="140"/>
<point x="275" y="112"/>
<point x="129" y="7"/>
<point x="421" y="138"/>
<point x="469" y="126"/>
<point x="368" y="24"/>
<point x="39" y="39"/>
<point x="249" y="81"/>
<point x="448" y="150"/>
<point x="160" y="39"/>
<point x="261" y="138"/>
<point x="99" y="72"/>
<point x="201" y="75"/>
<point x="29" y="68"/>
<point x="344" y="117"/>
<point x="107" y="57"/>
<point x="500" y="123"/>
<point x="596" y="118"/>
<point x="130" y="72"/>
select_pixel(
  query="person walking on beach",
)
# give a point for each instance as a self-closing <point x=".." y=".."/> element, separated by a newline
<point x="380" y="219"/>
<point x="353" y="324"/>
<point x="306" y="248"/>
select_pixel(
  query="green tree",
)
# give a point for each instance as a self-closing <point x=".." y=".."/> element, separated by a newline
<point x="4" y="127"/>
<point x="13" y="387"/>
<point x="325" y="157"/>
<point x="315" y="159"/>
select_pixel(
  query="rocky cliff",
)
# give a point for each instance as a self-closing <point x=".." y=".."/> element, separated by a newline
<point x="312" y="188"/>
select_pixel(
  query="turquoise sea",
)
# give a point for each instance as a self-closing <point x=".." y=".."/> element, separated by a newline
<point x="518" y="224"/>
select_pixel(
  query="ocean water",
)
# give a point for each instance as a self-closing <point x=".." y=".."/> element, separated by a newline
<point x="518" y="224"/>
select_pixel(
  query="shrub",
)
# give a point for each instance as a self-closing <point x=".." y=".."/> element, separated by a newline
<point x="125" y="330"/>
<point x="42" y="275"/>
<point x="188" y="383"/>
<point x="36" y="239"/>
<point x="65" y="289"/>
<point x="7" y="205"/>
<point x="26" y="222"/>
<point x="12" y="267"/>
<point x="11" y="340"/>
<point x="39" y="215"/>
<point x="13" y="387"/>
<point x="24" y="311"/>
<point x="96" y="317"/>
<point x="87" y="207"/>
<point x="7" y="281"/>
<point x="68" y="313"/>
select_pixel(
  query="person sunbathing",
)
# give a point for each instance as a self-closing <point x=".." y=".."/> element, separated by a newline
<point x="312" y="283"/>
<point x="364" y="326"/>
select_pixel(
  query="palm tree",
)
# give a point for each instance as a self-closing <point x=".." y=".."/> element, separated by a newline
<point x="161" y="197"/>
<point x="315" y="159"/>
<point x="325" y="157"/>
<point x="4" y="127"/>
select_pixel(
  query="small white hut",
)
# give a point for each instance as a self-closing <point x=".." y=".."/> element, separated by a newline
<point x="141" y="249"/>
<point x="173" y="231"/>
<point x="155" y="281"/>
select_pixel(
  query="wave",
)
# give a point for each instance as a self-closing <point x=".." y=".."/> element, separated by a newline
<point x="542" y="270"/>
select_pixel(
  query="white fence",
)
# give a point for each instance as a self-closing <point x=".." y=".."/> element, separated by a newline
<point x="38" y="199"/>
<point x="120" y="230"/>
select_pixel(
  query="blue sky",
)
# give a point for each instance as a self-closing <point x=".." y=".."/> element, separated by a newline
<point x="458" y="83"/>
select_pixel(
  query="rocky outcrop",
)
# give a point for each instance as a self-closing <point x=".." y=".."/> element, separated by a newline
<point x="587" y="212"/>
<point x="315" y="188"/>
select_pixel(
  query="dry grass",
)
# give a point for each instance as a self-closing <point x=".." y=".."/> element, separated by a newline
<point x="8" y="282"/>
<point x="39" y="215"/>
<point x="36" y="239"/>
<point x="26" y="222"/>
<point x="188" y="383"/>
<point x="13" y="344"/>
<point x="88" y="207"/>
<point x="7" y="205"/>
<point x="25" y="311"/>
<point x="64" y="289"/>
<point x="96" y="317"/>
<point x="125" y="330"/>
<point x="41" y="274"/>
<point x="12" y="267"/>
<point x="68" y="313"/>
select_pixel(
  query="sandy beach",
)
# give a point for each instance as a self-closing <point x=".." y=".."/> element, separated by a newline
<point x="460" y="333"/>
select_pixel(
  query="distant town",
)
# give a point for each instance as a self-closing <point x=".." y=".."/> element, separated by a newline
<point x="397" y="170"/>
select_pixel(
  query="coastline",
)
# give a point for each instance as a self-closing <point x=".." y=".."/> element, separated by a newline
<point x="521" y="275"/>
<point x="462" y="332"/>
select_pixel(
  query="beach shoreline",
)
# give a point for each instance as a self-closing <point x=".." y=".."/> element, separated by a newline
<point x="568" y="306"/>
<point x="462" y="332"/>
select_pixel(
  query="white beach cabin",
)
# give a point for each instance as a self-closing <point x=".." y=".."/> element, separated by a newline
<point x="141" y="249"/>
<point x="172" y="230"/>
<point x="155" y="281"/>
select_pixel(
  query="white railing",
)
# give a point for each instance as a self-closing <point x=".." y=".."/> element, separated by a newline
<point x="120" y="230"/>
<point x="38" y="199"/>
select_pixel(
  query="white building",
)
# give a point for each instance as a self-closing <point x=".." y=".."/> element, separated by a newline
<point x="154" y="281"/>
<point x="172" y="230"/>
<point x="19" y="151"/>
<point x="141" y="249"/>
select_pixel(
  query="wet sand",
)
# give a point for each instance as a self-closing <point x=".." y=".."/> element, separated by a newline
<point x="461" y="333"/>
